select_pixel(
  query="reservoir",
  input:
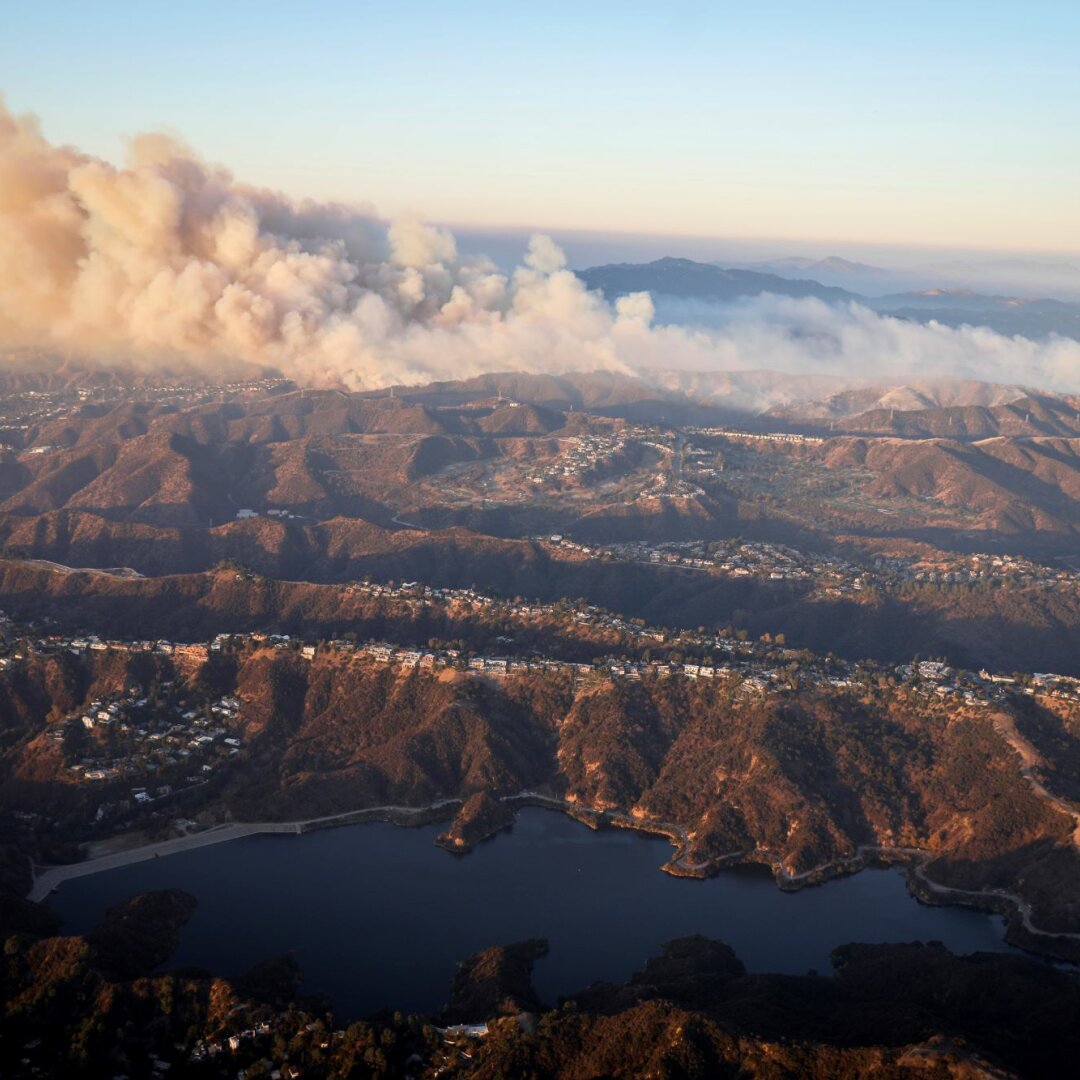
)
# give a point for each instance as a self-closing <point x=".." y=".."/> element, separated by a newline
<point x="379" y="917"/>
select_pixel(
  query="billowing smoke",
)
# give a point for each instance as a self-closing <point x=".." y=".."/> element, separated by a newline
<point x="170" y="258"/>
<point x="810" y="336"/>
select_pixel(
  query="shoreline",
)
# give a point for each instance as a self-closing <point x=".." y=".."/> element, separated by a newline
<point x="50" y="878"/>
<point x="1016" y="911"/>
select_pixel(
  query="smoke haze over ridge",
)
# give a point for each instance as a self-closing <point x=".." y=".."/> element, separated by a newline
<point x="169" y="258"/>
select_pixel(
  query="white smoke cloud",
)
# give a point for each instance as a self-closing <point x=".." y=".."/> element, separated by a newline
<point x="169" y="258"/>
<point x="811" y="337"/>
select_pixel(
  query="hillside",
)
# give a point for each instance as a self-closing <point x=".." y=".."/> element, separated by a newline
<point x="806" y="780"/>
<point x="253" y="478"/>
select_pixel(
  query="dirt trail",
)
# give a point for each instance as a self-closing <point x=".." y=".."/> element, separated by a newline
<point x="1031" y="762"/>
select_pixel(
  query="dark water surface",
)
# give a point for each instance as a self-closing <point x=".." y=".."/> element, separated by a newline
<point x="378" y="916"/>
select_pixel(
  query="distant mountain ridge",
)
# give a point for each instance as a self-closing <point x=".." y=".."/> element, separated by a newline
<point x="687" y="279"/>
<point x="820" y="269"/>
<point x="1026" y="277"/>
<point x="684" y="280"/>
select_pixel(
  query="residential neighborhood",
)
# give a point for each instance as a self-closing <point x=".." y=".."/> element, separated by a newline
<point x="833" y="575"/>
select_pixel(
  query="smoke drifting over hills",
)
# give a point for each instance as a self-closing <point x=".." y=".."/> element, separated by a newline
<point x="169" y="258"/>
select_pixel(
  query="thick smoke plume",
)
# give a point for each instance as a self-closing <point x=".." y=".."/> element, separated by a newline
<point x="169" y="258"/>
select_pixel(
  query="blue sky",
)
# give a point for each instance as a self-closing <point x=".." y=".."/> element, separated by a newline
<point x="946" y="124"/>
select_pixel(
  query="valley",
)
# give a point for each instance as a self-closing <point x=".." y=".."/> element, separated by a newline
<point x="803" y="639"/>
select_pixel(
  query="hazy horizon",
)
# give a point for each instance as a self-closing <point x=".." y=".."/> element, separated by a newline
<point x="587" y="247"/>
<point x="170" y="256"/>
<point x="273" y="192"/>
<point x="921" y="125"/>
